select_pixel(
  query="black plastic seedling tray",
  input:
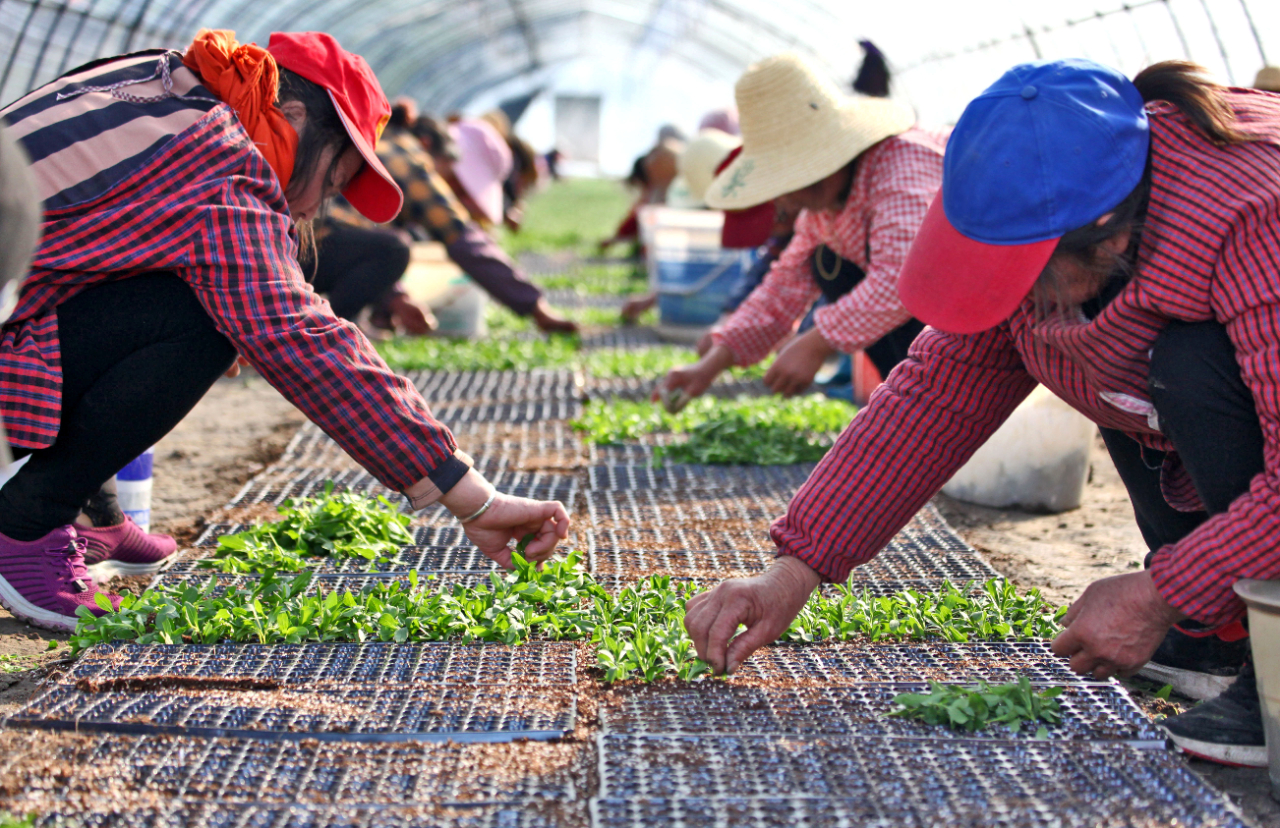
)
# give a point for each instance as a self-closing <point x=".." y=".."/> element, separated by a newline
<point x="456" y="414"/>
<point x="539" y="663"/>
<point x="895" y="662"/>
<point x="681" y="477"/>
<point x="419" y="558"/>
<point x="535" y="385"/>
<point x="1090" y="712"/>
<point x="355" y="713"/>
<point x="630" y="388"/>
<point x="521" y="815"/>
<point x="745" y="780"/>
<point x="664" y="509"/>
<point x="284" y="482"/>
<point x="252" y="771"/>
<point x="637" y="337"/>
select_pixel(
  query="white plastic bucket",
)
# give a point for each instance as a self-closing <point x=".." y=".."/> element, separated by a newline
<point x="688" y="269"/>
<point x="1263" y="600"/>
<point x="133" y="489"/>
<point x="460" y="310"/>
<point x="1038" y="460"/>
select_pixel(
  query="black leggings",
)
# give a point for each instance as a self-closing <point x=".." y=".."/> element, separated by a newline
<point x="1208" y="413"/>
<point x="355" y="267"/>
<point x="137" y="355"/>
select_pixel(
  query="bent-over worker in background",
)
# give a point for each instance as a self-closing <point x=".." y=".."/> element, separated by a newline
<point x="859" y="176"/>
<point x="172" y="185"/>
<point x="1119" y="242"/>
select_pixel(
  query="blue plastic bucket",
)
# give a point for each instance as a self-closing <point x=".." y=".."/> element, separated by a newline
<point x="693" y="290"/>
<point x="133" y="489"/>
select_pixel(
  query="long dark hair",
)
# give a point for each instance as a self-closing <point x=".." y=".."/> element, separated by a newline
<point x="324" y="129"/>
<point x="1186" y="86"/>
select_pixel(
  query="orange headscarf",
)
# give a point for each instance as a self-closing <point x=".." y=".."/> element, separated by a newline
<point x="247" y="79"/>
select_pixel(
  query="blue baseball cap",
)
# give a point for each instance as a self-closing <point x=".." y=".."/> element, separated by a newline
<point x="1048" y="148"/>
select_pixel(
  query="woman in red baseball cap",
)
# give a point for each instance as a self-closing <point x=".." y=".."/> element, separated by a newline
<point x="174" y="186"/>
<point x="1119" y="242"/>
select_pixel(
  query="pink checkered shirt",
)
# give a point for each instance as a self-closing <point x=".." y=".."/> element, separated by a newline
<point x="894" y="184"/>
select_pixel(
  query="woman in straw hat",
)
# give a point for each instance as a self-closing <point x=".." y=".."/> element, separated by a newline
<point x="861" y="176"/>
<point x="173" y="187"/>
<point x="1119" y="242"/>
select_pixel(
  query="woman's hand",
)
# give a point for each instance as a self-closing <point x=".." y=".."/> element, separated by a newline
<point x="765" y="604"/>
<point x="506" y="519"/>
<point x="234" y="370"/>
<point x="1115" y="626"/>
<point x="798" y="363"/>
<point x="511" y="519"/>
<point x="694" y="380"/>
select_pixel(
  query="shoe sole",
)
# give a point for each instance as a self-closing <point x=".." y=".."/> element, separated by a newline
<point x="1189" y="683"/>
<point x="33" y="615"/>
<point x="1236" y="756"/>
<point x="107" y="570"/>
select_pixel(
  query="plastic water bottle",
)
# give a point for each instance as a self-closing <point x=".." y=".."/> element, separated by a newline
<point x="133" y="488"/>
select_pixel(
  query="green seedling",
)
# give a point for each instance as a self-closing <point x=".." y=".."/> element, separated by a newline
<point x="525" y="541"/>
<point x="490" y="354"/>
<point x="973" y="708"/>
<point x="342" y="525"/>
<point x="1164" y="692"/>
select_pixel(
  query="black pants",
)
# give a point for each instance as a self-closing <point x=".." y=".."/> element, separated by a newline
<point x="355" y="267"/>
<point x="1208" y="413"/>
<point x="137" y="355"/>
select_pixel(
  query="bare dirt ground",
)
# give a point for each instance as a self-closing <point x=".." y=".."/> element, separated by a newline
<point x="243" y="424"/>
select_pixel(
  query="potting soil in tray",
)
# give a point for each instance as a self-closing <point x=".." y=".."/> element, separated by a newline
<point x="354" y="713"/>
<point x="133" y="772"/>
<point x="738" y="779"/>
<point x="520" y="815"/>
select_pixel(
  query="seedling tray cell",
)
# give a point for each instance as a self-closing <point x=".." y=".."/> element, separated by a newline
<point x="517" y="815"/>
<point x="878" y="589"/>
<point x="995" y="662"/>
<point x="537" y="385"/>
<point x="787" y="781"/>
<point x="1089" y="713"/>
<point x="674" y="476"/>
<point x="359" y="713"/>
<point x="312" y="448"/>
<point x="540" y="663"/>
<point x="317" y="773"/>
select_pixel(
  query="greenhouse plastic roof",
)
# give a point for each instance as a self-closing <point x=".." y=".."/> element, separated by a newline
<point x="681" y="56"/>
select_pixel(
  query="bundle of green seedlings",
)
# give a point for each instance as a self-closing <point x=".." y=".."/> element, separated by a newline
<point x="491" y="354"/>
<point x="598" y="280"/>
<point x="747" y="430"/>
<point x="973" y="708"/>
<point x="342" y="525"/>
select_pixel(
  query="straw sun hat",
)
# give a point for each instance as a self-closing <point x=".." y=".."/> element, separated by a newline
<point x="1268" y="79"/>
<point x="797" y="129"/>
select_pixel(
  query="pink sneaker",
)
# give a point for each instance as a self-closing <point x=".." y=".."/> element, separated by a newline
<point x="44" y="581"/>
<point x="115" y="551"/>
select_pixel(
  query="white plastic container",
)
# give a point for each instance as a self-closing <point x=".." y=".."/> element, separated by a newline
<point x="1263" y="600"/>
<point x="460" y="310"/>
<point x="688" y="269"/>
<point x="133" y="489"/>
<point x="1038" y="460"/>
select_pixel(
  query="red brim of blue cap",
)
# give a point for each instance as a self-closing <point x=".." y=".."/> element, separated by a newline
<point x="959" y="285"/>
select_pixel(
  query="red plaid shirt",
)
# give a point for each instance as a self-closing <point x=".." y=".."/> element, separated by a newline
<point x="891" y="192"/>
<point x="1210" y="250"/>
<point x="158" y="175"/>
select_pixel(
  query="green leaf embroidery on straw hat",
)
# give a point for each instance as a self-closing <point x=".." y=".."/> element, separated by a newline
<point x="739" y="178"/>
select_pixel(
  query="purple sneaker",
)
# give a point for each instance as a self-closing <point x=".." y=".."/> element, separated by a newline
<point x="115" y="551"/>
<point x="44" y="581"/>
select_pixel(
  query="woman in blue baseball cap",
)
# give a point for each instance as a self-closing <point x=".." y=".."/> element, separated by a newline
<point x="1119" y="242"/>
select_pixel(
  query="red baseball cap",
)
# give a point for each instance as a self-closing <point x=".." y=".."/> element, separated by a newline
<point x="361" y="105"/>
